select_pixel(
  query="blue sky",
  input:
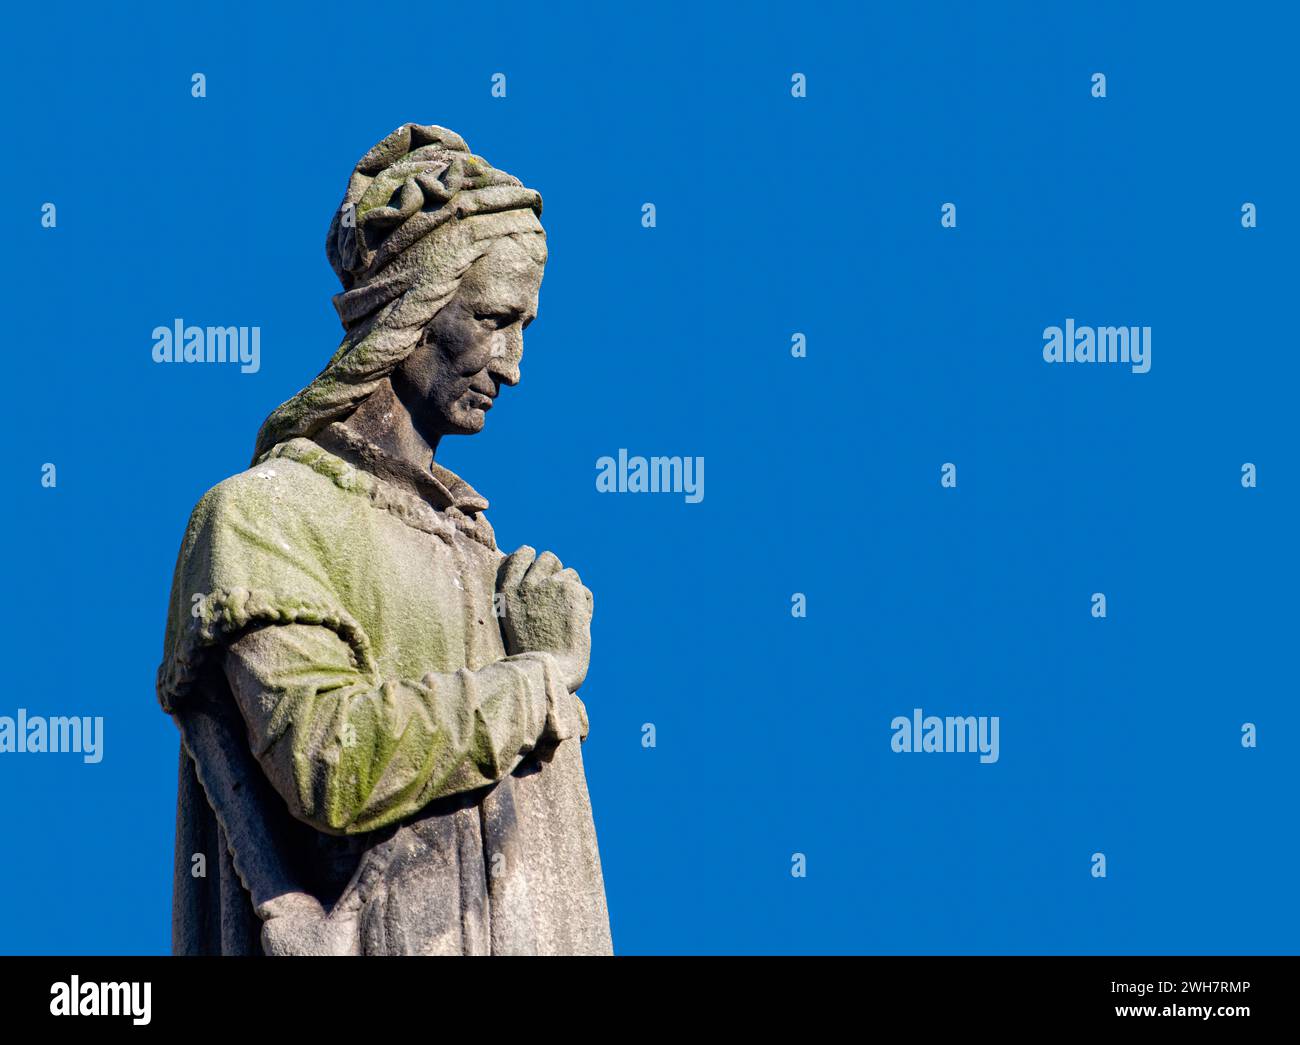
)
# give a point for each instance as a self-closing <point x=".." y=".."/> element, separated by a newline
<point x="775" y="215"/>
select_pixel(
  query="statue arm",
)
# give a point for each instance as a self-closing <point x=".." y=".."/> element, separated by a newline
<point x="350" y="753"/>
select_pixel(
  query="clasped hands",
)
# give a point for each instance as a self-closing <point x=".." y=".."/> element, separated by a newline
<point x="547" y="609"/>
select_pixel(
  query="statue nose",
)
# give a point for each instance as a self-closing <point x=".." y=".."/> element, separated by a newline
<point x="504" y="363"/>
<point x="507" y="374"/>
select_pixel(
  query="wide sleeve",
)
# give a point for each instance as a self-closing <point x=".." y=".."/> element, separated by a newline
<point x="349" y="753"/>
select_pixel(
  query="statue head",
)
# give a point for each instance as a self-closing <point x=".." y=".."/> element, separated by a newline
<point x="441" y="258"/>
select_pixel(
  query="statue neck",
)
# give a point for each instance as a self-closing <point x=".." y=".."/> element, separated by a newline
<point x="385" y="422"/>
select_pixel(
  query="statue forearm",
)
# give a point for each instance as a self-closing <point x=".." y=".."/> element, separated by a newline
<point x="351" y="754"/>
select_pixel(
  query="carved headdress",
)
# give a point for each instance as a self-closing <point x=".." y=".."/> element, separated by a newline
<point x="420" y="209"/>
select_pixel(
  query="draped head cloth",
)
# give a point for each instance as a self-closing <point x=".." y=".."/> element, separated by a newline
<point x="419" y="211"/>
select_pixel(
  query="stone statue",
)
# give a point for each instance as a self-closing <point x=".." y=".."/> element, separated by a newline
<point x="381" y="737"/>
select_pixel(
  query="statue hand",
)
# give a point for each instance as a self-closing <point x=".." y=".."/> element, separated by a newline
<point x="296" y="923"/>
<point x="547" y="610"/>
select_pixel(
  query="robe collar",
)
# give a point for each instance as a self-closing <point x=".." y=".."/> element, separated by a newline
<point x="440" y="486"/>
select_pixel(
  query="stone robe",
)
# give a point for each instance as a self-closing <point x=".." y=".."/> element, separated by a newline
<point x="364" y="769"/>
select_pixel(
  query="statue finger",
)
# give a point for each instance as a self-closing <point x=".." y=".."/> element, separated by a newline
<point x="515" y="566"/>
<point x="546" y="565"/>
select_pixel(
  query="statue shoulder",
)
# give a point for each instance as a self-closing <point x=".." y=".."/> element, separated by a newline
<point x="275" y="494"/>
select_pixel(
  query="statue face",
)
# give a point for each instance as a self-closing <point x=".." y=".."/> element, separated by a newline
<point x="475" y="344"/>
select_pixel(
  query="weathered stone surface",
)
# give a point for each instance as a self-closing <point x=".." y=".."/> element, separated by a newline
<point x="373" y="761"/>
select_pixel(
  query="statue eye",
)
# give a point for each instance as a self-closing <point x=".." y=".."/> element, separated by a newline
<point x="496" y="320"/>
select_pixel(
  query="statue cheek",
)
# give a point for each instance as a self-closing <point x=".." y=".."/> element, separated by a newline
<point x="475" y="354"/>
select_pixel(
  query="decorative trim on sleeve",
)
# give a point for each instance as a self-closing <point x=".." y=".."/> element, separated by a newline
<point x="222" y="616"/>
